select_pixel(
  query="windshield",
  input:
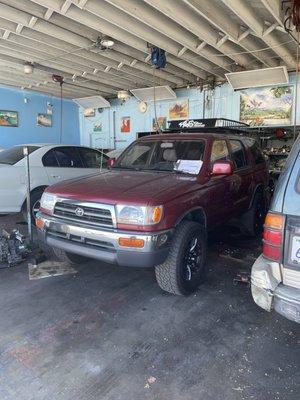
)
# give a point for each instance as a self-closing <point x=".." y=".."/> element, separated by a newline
<point x="15" y="154"/>
<point x="166" y="155"/>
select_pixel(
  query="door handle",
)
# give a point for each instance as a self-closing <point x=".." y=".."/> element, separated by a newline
<point x="56" y="176"/>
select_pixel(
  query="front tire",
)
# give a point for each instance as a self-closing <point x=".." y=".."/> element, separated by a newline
<point x="184" y="268"/>
<point x="35" y="203"/>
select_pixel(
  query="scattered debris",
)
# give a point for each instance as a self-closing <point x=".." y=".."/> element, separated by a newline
<point x="152" y="379"/>
<point x="242" y="277"/>
<point x="13" y="248"/>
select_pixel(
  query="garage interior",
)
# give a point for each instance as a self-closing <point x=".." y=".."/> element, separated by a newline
<point x="101" y="74"/>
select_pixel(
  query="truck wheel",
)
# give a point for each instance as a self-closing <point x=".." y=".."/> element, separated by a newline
<point x="72" y="258"/>
<point x="184" y="269"/>
<point x="35" y="202"/>
<point x="253" y="220"/>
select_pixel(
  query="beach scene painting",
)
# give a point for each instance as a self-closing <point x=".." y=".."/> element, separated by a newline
<point x="44" y="120"/>
<point x="267" y="106"/>
<point x="9" y="118"/>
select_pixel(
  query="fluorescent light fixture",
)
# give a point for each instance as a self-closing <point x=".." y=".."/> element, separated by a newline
<point x="258" y="78"/>
<point x="92" y="102"/>
<point x="161" y="93"/>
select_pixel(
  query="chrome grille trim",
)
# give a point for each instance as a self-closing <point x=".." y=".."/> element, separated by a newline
<point x="79" y="239"/>
<point x="95" y="214"/>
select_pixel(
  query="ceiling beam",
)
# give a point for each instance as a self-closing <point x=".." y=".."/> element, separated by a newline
<point x="100" y="24"/>
<point x="46" y="27"/>
<point x="219" y="16"/>
<point x="250" y="17"/>
<point x="185" y="16"/>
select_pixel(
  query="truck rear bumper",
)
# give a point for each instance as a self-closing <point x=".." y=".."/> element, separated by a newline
<point x="269" y="293"/>
<point x="103" y="244"/>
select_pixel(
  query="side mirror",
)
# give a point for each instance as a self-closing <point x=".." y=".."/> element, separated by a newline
<point x="111" y="162"/>
<point x="222" y="168"/>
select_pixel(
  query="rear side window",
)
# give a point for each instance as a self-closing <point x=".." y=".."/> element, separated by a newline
<point x="49" y="159"/>
<point x="219" y="151"/>
<point x="238" y="154"/>
<point x="257" y="154"/>
<point x="68" y="157"/>
<point x="15" y="154"/>
<point x="93" y="158"/>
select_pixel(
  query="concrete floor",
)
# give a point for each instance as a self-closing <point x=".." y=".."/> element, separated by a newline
<point x="111" y="333"/>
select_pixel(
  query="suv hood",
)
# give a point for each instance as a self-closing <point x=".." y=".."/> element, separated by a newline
<point x="127" y="187"/>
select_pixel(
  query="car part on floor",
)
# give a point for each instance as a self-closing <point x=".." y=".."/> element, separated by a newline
<point x="13" y="248"/>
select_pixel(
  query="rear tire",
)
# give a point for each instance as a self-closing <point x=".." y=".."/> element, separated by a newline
<point x="72" y="258"/>
<point x="184" y="268"/>
<point x="253" y="220"/>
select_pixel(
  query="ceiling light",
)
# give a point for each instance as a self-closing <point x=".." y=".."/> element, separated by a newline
<point x="151" y="93"/>
<point x="123" y="95"/>
<point x="92" y="102"/>
<point x="107" y="42"/>
<point x="28" y="68"/>
<point x="258" y="77"/>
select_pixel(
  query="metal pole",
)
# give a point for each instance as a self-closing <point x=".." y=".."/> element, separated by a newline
<point x="29" y="226"/>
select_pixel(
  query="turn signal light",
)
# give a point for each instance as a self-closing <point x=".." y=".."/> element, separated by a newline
<point x="273" y="236"/>
<point x="275" y="221"/>
<point x="131" y="242"/>
<point x="39" y="223"/>
<point x="156" y="214"/>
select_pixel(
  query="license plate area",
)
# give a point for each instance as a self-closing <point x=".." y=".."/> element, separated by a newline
<point x="294" y="254"/>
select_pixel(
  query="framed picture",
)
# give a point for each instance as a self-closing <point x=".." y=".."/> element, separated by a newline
<point x="44" y="120"/>
<point x="161" y="121"/>
<point x="9" y="118"/>
<point x="89" y="112"/>
<point x="267" y="106"/>
<point x="97" y="127"/>
<point x="125" y="124"/>
<point x="179" y="110"/>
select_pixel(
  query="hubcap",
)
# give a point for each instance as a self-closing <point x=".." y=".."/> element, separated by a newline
<point x="192" y="259"/>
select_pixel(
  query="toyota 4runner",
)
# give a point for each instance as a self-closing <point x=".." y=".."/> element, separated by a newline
<point x="154" y="207"/>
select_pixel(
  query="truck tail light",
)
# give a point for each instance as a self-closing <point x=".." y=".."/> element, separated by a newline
<point x="273" y="236"/>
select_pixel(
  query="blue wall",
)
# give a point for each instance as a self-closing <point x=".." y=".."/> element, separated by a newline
<point x="28" y="131"/>
<point x="223" y="103"/>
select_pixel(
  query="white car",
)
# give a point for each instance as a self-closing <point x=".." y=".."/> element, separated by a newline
<point x="49" y="164"/>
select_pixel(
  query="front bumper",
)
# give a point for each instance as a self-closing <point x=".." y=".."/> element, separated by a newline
<point x="103" y="244"/>
<point x="269" y="293"/>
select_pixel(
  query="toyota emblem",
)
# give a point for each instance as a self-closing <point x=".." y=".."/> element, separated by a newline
<point x="79" y="212"/>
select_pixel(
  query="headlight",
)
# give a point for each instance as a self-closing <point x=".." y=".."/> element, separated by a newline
<point x="48" y="201"/>
<point x="138" y="215"/>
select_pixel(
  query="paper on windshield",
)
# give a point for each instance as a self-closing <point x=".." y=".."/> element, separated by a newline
<point x="189" y="166"/>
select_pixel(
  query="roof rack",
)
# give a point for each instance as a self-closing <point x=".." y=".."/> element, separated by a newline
<point x="191" y="124"/>
<point x="206" y="125"/>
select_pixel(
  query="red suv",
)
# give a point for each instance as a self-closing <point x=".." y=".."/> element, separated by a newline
<point x="156" y="205"/>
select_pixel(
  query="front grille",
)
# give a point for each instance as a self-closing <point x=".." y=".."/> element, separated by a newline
<point x="86" y="214"/>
